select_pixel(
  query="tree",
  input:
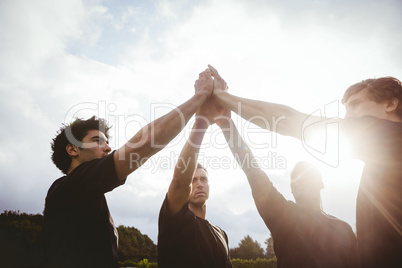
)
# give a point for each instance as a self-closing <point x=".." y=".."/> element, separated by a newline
<point x="22" y="242"/>
<point x="248" y="249"/>
<point x="21" y="239"/>
<point x="269" y="252"/>
<point x="133" y="245"/>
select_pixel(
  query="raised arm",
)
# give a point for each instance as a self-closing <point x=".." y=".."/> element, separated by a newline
<point x="259" y="181"/>
<point x="157" y="134"/>
<point x="180" y="187"/>
<point x="271" y="116"/>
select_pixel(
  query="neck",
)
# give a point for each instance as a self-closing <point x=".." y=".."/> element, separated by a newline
<point x="395" y="119"/>
<point x="199" y="211"/>
<point x="312" y="203"/>
<point x="74" y="164"/>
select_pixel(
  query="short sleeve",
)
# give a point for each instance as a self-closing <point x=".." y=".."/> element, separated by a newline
<point x="166" y="221"/>
<point x="274" y="209"/>
<point x="98" y="175"/>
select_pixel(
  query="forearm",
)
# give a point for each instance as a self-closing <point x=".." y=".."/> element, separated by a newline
<point x="155" y="136"/>
<point x="188" y="158"/>
<point x="258" y="180"/>
<point x="180" y="187"/>
<point x="271" y="116"/>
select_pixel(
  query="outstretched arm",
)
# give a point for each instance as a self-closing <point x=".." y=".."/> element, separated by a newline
<point x="259" y="181"/>
<point x="271" y="116"/>
<point x="180" y="187"/>
<point x="157" y="134"/>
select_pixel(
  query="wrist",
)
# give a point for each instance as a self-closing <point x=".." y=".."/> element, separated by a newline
<point x="202" y="94"/>
<point x="201" y="122"/>
<point x="219" y="95"/>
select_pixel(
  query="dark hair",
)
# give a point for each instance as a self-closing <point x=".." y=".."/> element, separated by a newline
<point x="202" y="167"/>
<point x="379" y="89"/>
<point x="73" y="134"/>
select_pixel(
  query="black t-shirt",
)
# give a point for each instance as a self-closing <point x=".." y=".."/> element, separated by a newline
<point x="79" y="231"/>
<point x="378" y="143"/>
<point x="307" y="238"/>
<point x="187" y="241"/>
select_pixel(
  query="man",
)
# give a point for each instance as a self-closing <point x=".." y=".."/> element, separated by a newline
<point x="304" y="235"/>
<point x="186" y="239"/>
<point x="79" y="231"/>
<point x="373" y="122"/>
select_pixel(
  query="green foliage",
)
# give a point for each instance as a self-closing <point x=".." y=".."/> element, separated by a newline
<point x="269" y="251"/>
<point x="21" y="239"/>
<point x="257" y="263"/>
<point x="135" y="246"/>
<point x="248" y="249"/>
<point x="142" y="264"/>
<point x="127" y="263"/>
<point x="22" y="243"/>
<point x="29" y="225"/>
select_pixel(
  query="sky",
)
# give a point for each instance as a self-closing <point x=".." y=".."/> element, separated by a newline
<point x="133" y="61"/>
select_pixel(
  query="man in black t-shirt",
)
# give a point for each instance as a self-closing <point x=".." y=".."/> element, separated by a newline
<point x="186" y="239"/>
<point x="373" y="122"/>
<point x="304" y="235"/>
<point x="79" y="231"/>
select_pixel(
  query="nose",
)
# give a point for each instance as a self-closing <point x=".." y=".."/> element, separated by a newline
<point x="198" y="184"/>
<point x="107" y="148"/>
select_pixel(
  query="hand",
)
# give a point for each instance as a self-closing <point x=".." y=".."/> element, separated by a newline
<point x="219" y="83"/>
<point x="204" y="85"/>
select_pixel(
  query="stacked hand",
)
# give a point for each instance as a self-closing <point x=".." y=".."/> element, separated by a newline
<point x="211" y="112"/>
<point x="204" y="85"/>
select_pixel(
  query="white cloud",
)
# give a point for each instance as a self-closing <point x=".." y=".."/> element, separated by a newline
<point x="58" y="55"/>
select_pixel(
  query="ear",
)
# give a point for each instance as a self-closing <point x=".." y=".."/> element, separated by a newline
<point x="392" y="104"/>
<point x="72" y="150"/>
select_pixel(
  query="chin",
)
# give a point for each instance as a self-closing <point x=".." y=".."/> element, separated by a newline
<point x="198" y="202"/>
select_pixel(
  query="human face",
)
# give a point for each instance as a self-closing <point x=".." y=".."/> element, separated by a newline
<point x="359" y="105"/>
<point x="300" y="188"/>
<point x="305" y="187"/>
<point x="94" y="145"/>
<point x="199" y="187"/>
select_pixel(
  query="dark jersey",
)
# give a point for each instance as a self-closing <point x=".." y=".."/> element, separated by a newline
<point x="378" y="143"/>
<point x="308" y="238"/>
<point x="79" y="231"/>
<point x="186" y="241"/>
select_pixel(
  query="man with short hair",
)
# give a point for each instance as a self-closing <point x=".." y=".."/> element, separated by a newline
<point x="186" y="239"/>
<point x="373" y="122"/>
<point x="304" y="235"/>
<point x="79" y="231"/>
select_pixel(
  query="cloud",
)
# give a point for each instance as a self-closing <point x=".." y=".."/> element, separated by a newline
<point x="62" y="58"/>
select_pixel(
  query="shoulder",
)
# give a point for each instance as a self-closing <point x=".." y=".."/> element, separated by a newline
<point x="217" y="228"/>
<point x="104" y="163"/>
<point x="369" y="122"/>
<point x="56" y="185"/>
<point x="339" y="225"/>
<point x="165" y="217"/>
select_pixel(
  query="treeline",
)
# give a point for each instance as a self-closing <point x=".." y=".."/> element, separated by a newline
<point x="22" y="245"/>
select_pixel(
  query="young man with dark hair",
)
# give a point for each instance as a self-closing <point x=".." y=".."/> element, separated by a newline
<point x="373" y="122"/>
<point x="186" y="239"/>
<point x="79" y="231"/>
